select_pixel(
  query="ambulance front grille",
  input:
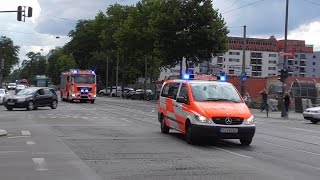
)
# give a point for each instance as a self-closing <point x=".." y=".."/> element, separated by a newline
<point x="223" y="120"/>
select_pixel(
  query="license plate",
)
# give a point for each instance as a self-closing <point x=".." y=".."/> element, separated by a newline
<point x="10" y="103"/>
<point x="229" y="130"/>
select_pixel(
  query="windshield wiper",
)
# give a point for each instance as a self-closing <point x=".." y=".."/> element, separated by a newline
<point x="221" y="99"/>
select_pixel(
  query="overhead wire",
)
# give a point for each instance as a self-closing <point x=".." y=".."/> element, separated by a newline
<point x="250" y="4"/>
<point x="312" y="2"/>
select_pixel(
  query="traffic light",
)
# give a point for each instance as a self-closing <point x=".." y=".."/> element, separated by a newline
<point x="19" y="13"/>
<point x="283" y="75"/>
<point x="29" y="11"/>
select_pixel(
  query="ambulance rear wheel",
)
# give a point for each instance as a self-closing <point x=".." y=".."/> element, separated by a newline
<point x="190" y="137"/>
<point x="164" y="128"/>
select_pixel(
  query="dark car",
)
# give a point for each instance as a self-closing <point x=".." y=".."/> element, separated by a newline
<point x="32" y="98"/>
<point x="140" y="94"/>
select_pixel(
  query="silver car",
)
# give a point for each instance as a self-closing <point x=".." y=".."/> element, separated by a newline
<point x="312" y="114"/>
<point x="2" y="95"/>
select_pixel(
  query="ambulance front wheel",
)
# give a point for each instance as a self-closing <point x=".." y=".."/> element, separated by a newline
<point x="246" y="142"/>
<point x="190" y="137"/>
<point x="164" y="128"/>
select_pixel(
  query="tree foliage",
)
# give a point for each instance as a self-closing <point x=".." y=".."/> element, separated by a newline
<point x="9" y="52"/>
<point x="163" y="31"/>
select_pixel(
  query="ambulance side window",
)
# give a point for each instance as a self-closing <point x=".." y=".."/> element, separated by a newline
<point x="173" y="90"/>
<point x="184" y="91"/>
<point x="165" y="90"/>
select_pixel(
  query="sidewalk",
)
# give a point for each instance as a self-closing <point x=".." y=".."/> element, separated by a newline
<point x="277" y="115"/>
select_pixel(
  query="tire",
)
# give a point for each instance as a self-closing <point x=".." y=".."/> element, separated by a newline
<point x="164" y="128"/>
<point x="9" y="108"/>
<point x="113" y="95"/>
<point x="30" y="106"/>
<point x="245" y="142"/>
<point x="54" y="104"/>
<point x="92" y="101"/>
<point x="190" y="138"/>
<point x="314" y="121"/>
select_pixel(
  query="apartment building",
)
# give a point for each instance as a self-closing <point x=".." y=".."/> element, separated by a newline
<point x="263" y="58"/>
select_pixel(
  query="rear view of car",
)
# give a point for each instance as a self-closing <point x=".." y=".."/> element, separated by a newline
<point x="19" y="87"/>
<point x="11" y="86"/>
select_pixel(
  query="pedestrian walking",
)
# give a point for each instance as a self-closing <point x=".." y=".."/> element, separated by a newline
<point x="286" y="102"/>
<point x="264" y="99"/>
<point x="247" y="98"/>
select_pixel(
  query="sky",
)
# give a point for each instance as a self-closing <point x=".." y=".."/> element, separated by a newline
<point x="52" y="18"/>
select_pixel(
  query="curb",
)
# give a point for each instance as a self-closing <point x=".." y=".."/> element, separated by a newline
<point x="3" y="132"/>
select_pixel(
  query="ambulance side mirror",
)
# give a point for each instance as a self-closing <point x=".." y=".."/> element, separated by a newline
<point x="182" y="100"/>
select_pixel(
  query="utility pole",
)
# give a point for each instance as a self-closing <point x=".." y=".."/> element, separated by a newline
<point x="107" y="74"/>
<point x="1" y="71"/>
<point x="145" y="77"/>
<point x="283" y="110"/>
<point x="117" y="72"/>
<point x="243" y="60"/>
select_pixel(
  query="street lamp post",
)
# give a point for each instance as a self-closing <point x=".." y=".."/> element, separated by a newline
<point x="283" y="110"/>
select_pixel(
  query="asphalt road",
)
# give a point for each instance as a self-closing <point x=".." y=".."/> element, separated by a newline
<point x="121" y="139"/>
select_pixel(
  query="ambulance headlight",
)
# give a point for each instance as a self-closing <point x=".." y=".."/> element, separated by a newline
<point x="202" y="119"/>
<point x="73" y="95"/>
<point x="249" y="121"/>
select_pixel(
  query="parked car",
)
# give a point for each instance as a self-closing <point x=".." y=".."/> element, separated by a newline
<point x="3" y="93"/>
<point x="32" y="98"/>
<point x="140" y="94"/>
<point x="19" y="87"/>
<point x="11" y="86"/>
<point x="312" y="114"/>
<point x="105" y="92"/>
<point x="128" y="93"/>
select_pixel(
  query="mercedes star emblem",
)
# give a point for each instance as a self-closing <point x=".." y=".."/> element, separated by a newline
<point x="228" y="120"/>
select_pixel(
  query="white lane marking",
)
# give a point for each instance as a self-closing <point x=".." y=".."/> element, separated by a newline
<point x="40" y="164"/>
<point x="302" y="129"/>
<point x="124" y="119"/>
<point x="30" y="142"/>
<point x="232" y="152"/>
<point x="25" y="133"/>
<point x="3" y="152"/>
<point x="152" y="111"/>
<point x="13" y="137"/>
<point x="308" y="152"/>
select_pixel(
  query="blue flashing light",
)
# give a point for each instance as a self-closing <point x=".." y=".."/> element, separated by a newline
<point x="186" y="76"/>
<point x="75" y="71"/>
<point x="223" y="78"/>
<point x="93" y="72"/>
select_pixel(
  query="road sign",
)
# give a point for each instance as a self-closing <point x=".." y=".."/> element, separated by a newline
<point x="286" y="53"/>
<point x="243" y="76"/>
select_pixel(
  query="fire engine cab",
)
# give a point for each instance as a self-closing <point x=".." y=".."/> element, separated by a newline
<point x="78" y="85"/>
<point x="205" y="108"/>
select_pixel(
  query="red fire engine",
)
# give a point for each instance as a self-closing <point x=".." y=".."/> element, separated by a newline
<point x="78" y="85"/>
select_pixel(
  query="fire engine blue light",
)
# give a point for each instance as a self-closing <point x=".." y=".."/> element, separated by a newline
<point x="92" y="72"/>
<point x="223" y="78"/>
<point x="186" y="76"/>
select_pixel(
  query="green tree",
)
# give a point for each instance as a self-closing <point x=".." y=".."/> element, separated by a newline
<point x="9" y="52"/>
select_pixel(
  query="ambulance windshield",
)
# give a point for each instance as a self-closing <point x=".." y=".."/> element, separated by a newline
<point x="214" y="92"/>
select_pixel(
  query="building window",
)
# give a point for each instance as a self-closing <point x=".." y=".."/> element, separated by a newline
<point x="272" y="55"/>
<point x="302" y="56"/>
<point x="272" y="62"/>
<point x="314" y="56"/>
<point x="271" y="68"/>
<point x="234" y="53"/>
<point x="314" y="70"/>
<point x="313" y="63"/>
<point x="295" y="62"/>
<point x="234" y="60"/>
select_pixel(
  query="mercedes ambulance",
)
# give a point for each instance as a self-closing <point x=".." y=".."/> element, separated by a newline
<point x="202" y="108"/>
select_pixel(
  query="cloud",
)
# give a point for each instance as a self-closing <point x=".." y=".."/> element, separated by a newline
<point x="308" y="32"/>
